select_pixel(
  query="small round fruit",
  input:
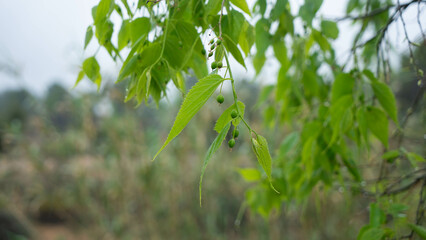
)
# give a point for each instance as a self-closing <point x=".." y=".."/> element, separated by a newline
<point x="231" y="143"/>
<point x="214" y="65"/>
<point x="219" y="64"/>
<point x="212" y="47"/>
<point x="220" y="99"/>
<point x="210" y="54"/>
<point x="235" y="133"/>
<point x="212" y="41"/>
<point x="234" y="114"/>
<point x="203" y="51"/>
<point x="218" y="42"/>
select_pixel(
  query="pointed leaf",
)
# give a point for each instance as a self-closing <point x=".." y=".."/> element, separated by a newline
<point x="89" y="35"/>
<point x="386" y="99"/>
<point x="421" y="231"/>
<point x="195" y="99"/>
<point x="212" y="149"/>
<point x="260" y="148"/>
<point x="242" y="4"/>
<point x="378" y="124"/>
<point x="231" y="46"/>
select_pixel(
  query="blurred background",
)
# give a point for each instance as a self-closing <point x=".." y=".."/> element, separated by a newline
<point x="76" y="163"/>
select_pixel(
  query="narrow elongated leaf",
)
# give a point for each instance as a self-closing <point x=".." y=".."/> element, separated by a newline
<point x="241" y="4"/>
<point x="195" y="99"/>
<point x="225" y="118"/>
<point x="260" y="148"/>
<point x="89" y="35"/>
<point x="124" y="35"/>
<point x="421" y="231"/>
<point x="212" y="149"/>
<point x="378" y="124"/>
<point x="372" y="234"/>
<point x="234" y="50"/>
<point x="386" y="99"/>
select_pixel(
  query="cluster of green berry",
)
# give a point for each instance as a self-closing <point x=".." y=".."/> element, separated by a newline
<point x="213" y="44"/>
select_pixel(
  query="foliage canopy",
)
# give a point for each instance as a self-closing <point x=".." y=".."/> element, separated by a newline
<point x="330" y="115"/>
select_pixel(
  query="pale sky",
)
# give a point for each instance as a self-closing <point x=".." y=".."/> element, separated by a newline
<point x="43" y="40"/>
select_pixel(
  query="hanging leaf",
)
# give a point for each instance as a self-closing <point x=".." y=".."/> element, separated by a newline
<point x="233" y="49"/>
<point x="212" y="149"/>
<point x="260" y="148"/>
<point x="378" y="124"/>
<point x="89" y="35"/>
<point x="92" y="70"/>
<point x="195" y="99"/>
<point x="386" y="98"/>
<point x="241" y="4"/>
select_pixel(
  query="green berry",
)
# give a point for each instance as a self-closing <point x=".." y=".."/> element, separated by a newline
<point x="220" y="99"/>
<point x="203" y="51"/>
<point x="180" y="44"/>
<point x="212" y="47"/>
<point x="210" y="54"/>
<point x="218" y="42"/>
<point x="235" y="133"/>
<point x="219" y="64"/>
<point x="234" y="114"/>
<point x="212" y="41"/>
<point x="214" y="65"/>
<point x="231" y="143"/>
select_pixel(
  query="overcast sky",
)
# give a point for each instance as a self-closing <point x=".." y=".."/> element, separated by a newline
<point x="43" y="40"/>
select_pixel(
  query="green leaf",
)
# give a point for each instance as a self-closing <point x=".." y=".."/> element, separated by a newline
<point x="372" y="234"/>
<point x="92" y="70"/>
<point x="378" y="124"/>
<point x="341" y="116"/>
<point x="124" y="35"/>
<point x="193" y="102"/>
<point x="233" y="49"/>
<point x="386" y="99"/>
<point x="289" y="143"/>
<point x="263" y="38"/>
<point x="362" y="122"/>
<point x="250" y="174"/>
<point x="278" y="9"/>
<point x="247" y="38"/>
<point x="139" y="29"/>
<point x="321" y="40"/>
<point x="79" y="78"/>
<point x="128" y="68"/>
<point x="225" y="118"/>
<point x="241" y="4"/>
<point x="104" y="7"/>
<point x="390" y="155"/>
<point x="343" y="85"/>
<point x="329" y="29"/>
<point x="212" y="149"/>
<point x="260" y="148"/>
<point x="89" y="35"/>
<point x="419" y="230"/>
<point x="309" y="9"/>
<point x="377" y="216"/>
